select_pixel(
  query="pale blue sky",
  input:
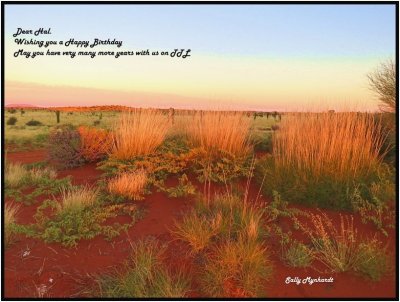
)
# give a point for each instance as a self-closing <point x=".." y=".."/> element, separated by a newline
<point x="255" y="30"/>
<point x="276" y="57"/>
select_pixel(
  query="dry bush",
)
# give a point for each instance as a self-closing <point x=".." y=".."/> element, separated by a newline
<point x="220" y="131"/>
<point x="137" y="133"/>
<point x="78" y="198"/>
<point x="95" y="143"/>
<point x="338" y="145"/>
<point x="129" y="184"/>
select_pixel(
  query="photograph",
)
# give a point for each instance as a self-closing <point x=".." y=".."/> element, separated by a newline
<point x="199" y="150"/>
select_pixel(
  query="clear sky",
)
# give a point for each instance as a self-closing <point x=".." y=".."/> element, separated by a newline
<point x="261" y="57"/>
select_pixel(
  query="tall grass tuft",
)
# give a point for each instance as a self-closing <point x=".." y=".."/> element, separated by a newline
<point x="129" y="184"/>
<point x="216" y="131"/>
<point x="144" y="276"/>
<point x="77" y="198"/>
<point x="137" y="133"/>
<point x="15" y="175"/>
<point x="341" y="145"/>
<point x="10" y="211"/>
<point x="318" y="158"/>
<point x="95" y="143"/>
<point x="236" y="269"/>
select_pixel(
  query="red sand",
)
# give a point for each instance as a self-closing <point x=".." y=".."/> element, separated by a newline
<point x="64" y="272"/>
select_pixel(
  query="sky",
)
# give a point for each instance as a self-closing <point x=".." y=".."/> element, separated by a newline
<point x="245" y="57"/>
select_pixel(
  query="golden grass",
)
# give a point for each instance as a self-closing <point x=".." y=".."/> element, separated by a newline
<point x="95" y="143"/>
<point x="341" y="145"/>
<point x="236" y="269"/>
<point x="10" y="212"/>
<point x="129" y="184"/>
<point x="137" y="133"/>
<point x="15" y="174"/>
<point x="77" y="198"/>
<point x="220" y="131"/>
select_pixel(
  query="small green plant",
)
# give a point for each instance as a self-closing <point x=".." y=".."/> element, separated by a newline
<point x="12" y="111"/>
<point x="34" y="123"/>
<point x="183" y="189"/>
<point x="12" y="121"/>
<point x="297" y="255"/>
<point x="144" y="276"/>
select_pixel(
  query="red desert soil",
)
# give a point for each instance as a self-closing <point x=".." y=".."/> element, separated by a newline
<point x="31" y="265"/>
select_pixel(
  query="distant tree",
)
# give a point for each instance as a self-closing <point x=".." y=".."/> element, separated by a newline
<point x="383" y="82"/>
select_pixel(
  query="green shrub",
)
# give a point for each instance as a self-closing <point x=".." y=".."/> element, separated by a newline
<point x="34" y="123"/>
<point x="12" y="121"/>
<point x="64" y="147"/>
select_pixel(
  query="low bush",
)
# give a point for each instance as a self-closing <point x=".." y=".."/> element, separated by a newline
<point x="80" y="214"/>
<point x="65" y="147"/>
<point x="12" y="121"/>
<point x="34" y="123"/>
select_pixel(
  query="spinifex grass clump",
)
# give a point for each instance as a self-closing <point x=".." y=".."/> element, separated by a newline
<point x="236" y="269"/>
<point x="95" y="143"/>
<point x="129" y="184"/>
<point x="319" y="157"/>
<point x="144" y="276"/>
<point x="76" y="199"/>
<point x="138" y="133"/>
<point x="15" y="175"/>
<point x="216" y="131"/>
<point x="10" y="211"/>
<point x="224" y="217"/>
